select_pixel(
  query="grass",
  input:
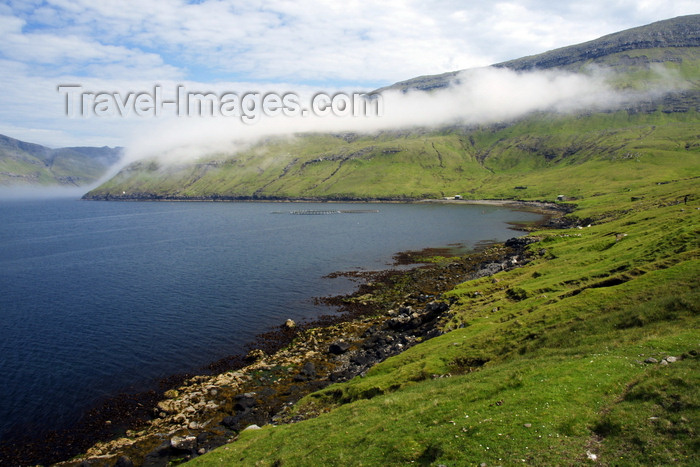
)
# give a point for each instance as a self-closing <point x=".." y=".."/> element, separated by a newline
<point x="537" y="157"/>
<point x="64" y="167"/>
<point x="577" y="156"/>
<point x="542" y="365"/>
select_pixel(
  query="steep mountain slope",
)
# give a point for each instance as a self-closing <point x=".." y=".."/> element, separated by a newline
<point x="534" y="158"/>
<point x="27" y="164"/>
<point x="641" y="46"/>
<point x="537" y="156"/>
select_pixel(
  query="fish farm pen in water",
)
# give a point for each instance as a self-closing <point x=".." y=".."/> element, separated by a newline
<point x="317" y="212"/>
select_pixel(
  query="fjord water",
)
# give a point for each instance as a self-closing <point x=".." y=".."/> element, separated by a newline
<point x="98" y="298"/>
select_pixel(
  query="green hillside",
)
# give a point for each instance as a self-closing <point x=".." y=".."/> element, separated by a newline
<point x="652" y="135"/>
<point x="536" y="158"/>
<point x="667" y="40"/>
<point x="585" y="353"/>
<point x="28" y="164"/>
<point x="564" y="361"/>
<point x="545" y="152"/>
<point x="544" y="364"/>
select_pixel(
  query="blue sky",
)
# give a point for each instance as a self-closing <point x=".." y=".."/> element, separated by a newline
<point x="295" y="45"/>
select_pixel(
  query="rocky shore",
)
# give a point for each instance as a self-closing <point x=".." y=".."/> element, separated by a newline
<point x="390" y="312"/>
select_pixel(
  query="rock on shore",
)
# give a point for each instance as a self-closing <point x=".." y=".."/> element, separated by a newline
<point x="207" y="411"/>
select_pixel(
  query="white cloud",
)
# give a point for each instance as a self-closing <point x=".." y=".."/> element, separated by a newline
<point x="303" y="42"/>
<point x="333" y="41"/>
<point x="479" y="96"/>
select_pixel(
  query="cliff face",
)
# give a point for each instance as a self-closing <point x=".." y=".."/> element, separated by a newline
<point x="681" y="32"/>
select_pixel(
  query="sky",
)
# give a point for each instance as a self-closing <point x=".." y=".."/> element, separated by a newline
<point x="131" y="46"/>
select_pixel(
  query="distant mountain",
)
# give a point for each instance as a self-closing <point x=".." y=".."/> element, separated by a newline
<point x="27" y="164"/>
<point x="671" y="36"/>
<point x="537" y="156"/>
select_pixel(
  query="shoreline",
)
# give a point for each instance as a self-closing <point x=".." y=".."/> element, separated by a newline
<point x="290" y="347"/>
<point x="515" y="203"/>
<point x="549" y="209"/>
<point x="263" y="392"/>
<point x="142" y="197"/>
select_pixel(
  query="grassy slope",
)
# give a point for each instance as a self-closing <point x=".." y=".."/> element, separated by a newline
<point x="563" y="339"/>
<point x="31" y="164"/>
<point x="609" y="149"/>
<point x="27" y="169"/>
<point x="489" y="161"/>
<point x="544" y="364"/>
<point x="311" y="165"/>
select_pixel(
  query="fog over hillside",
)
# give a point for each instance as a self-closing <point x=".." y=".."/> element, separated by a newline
<point x="479" y="96"/>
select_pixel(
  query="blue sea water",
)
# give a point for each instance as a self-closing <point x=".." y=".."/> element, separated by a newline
<point x="98" y="298"/>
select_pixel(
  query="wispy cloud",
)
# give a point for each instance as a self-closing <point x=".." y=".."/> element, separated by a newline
<point x="475" y="97"/>
<point x="303" y="43"/>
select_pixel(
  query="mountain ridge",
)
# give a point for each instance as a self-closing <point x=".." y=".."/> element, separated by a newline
<point x="537" y="150"/>
<point x="682" y="31"/>
<point x="29" y="164"/>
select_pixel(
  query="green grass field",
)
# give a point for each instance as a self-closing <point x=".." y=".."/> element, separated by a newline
<point x="543" y="365"/>
<point x="536" y="158"/>
<point x="540" y="155"/>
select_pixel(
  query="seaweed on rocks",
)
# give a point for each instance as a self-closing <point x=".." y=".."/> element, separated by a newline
<point x="389" y="312"/>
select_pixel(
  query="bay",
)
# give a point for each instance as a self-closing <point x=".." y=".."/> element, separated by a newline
<point x="98" y="298"/>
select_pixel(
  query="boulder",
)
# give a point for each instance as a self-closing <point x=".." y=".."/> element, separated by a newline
<point x="245" y="402"/>
<point x="361" y="360"/>
<point x="339" y="347"/>
<point x="168" y="406"/>
<point x="488" y="269"/>
<point x="519" y="242"/>
<point x="183" y="443"/>
<point x="232" y="422"/>
<point x="124" y="461"/>
<point x="308" y="371"/>
<point x="400" y="323"/>
<point x="434" y="309"/>
<point x="255" y="355"/>
<point x="237" y="422"/>
<point x="171" y="393"/>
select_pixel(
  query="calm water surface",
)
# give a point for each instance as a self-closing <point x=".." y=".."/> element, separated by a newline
<point x="98" y="298"/>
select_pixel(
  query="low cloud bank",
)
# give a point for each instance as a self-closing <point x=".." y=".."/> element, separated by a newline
<point x="479" y="96"/>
